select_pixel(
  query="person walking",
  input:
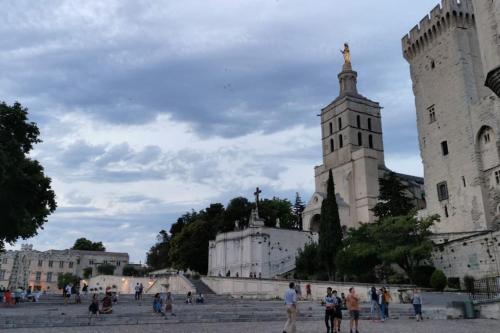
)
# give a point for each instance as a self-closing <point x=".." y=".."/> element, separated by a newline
<point x="137" y="289"/>
<point x="417" y="304"/>
<point x="157" y="304"/>
<point x="67" y="294"/>
<point x="141" y="290"/>
<point x="338" y="310"/>
<point x="374" y="302"/>
<point x="308" y="291"/>
<point x="331" y="304"/>
<point x="291" y="309"/>
<point x="387" y="300"/>
<point x="352" y="302"/>
<point x="169" y="304"/>
<point x="381" y="303"/>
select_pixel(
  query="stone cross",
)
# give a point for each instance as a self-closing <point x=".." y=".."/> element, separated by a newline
<point x="257" y="192"/>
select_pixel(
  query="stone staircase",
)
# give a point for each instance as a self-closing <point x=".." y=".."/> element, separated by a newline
<point x="51" y="313"/>
<point x="201" y="287"/>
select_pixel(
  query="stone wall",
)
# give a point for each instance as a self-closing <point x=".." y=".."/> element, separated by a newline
<point x="272" y="289"/>
<point x="256" y="250"/>
<point x="176" y="284"/>
<point x="476" y="255"/>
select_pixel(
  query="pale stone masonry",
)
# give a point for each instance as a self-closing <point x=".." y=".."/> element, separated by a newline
<point x="454" y="56"/>
<point x="488" y="30"/>
<point x="458" y="119"/>
<point x="353" y="149"/>
<point x="39" y="270"/>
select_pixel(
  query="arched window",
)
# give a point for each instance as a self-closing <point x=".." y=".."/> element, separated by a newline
<point x="370" y="141"/>
<point x="340" y="123"/>
<point x="358" y="121"/>
<point x="487" y="148"/>
<point x="360" y="139"/>
<point x="331" y="128"/>
<point x="369" y="124"/>
<point x="341" y="141"/>
<point x="332" y="148"/>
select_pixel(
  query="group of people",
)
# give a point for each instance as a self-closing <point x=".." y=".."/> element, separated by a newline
<point x="139" y="289"/>
<point x="380" y="300"/>
<point x="158" y="302"/>
<point x="105" y="308"/>
<point x="18" y="295"/>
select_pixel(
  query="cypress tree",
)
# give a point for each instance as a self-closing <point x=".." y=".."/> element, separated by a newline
<point x="330" y="231"/>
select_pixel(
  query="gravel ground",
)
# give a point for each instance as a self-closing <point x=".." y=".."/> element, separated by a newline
<point x="393" y="326"/>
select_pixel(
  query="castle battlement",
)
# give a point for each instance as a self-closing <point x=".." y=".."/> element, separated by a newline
<point x="451" y="13"/>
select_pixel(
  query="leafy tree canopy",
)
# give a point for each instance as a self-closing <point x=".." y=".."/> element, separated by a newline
<point x="87" y="245"/>
<point x="106" y="269"/>
<point x="158" y="255"/>
<point x="129" y="270"/>
<point x="297" y="209"/>
<point x="26" y="197"/>
<point x="67" y="278"/>
<point x="272" y="209"/>
<point x="393" y="200"/>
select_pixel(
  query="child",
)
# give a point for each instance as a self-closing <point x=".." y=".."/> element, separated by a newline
<point x="93" y="308"/>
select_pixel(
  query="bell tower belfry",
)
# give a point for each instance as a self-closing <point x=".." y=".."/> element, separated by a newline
<point x="351" y="132"/>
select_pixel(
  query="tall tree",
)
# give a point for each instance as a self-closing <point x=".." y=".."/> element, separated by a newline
<point x="330" y="230"/>
<point x="298" y="208"/>
<point x="272" y="209"/>
<point x="88" y="245"/>
<point x="158" y="256"/>
<point x="238" y="209"/>
<point x="26" y="197"/>
<point x="393" y="200"/>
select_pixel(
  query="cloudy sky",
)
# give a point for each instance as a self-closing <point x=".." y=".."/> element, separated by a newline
<point x="150" y="108"/>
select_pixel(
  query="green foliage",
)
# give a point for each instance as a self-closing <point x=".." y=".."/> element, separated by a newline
<point x="87" y="272"/>
<point x="469" y="284"/>
<point x="392" y="199"/>
<point x="106" y="269"/>
<point x="438" y="280"/>
<point x="66" y="278"/>
<point x="129" y="270"/>
<point x="402" y="240"/>
<point x="454" y="282"/>
<point x="87" y="245"/>
<point x="297" y="209"/>
<point x="307" y="263"/>
<point x="238" y="209"/>
<point x="330" y="231"/>
<point x="359" y="257"/>
<point x="272" y="209"/>
<point x="158" y="256"/>
<point x="26" y="197"/>
<point x="422" y="275"/>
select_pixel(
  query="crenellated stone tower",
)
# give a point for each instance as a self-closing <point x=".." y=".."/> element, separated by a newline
<point x="458" y="119"/>
<point x="353" y="149"/>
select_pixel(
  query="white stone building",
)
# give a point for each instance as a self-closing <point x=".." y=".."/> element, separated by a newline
<point x="452" y="54"/>
<point x="353" y="148"/>
<point x="261" y="251"/>
<point x="39" y="270"/>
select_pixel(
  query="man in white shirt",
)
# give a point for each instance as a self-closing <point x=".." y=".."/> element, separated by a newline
<point x="291" y="309"/>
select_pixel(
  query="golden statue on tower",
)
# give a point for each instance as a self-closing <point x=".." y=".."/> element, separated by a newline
<point x="347" y="54"/>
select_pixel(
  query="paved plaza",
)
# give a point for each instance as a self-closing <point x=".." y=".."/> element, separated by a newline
<point x="219" y="314"/>
<point x="394" y="326"/>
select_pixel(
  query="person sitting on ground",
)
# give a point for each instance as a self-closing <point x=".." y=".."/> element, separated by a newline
<point x="189" y="298"/>
<point x="93" y="308"/>
<point x="107" y="304"/>
<point x="8" y="297"/>
<point x="157" y="303"/>
<point x="200" y="299"/>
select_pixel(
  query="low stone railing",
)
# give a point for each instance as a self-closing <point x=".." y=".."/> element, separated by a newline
<point x="272" y="289"/>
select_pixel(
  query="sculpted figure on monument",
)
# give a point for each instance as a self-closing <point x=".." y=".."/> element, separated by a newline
<point x="347" y="53"/>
